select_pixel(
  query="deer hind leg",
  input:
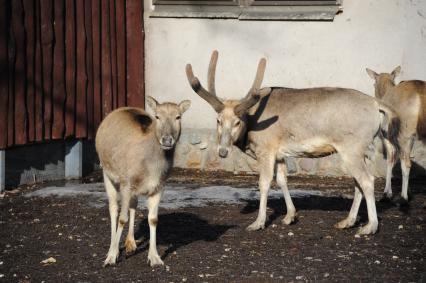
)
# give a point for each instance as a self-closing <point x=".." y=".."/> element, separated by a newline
<point x="390" y="160"/>
<point x="266" y="166"/>
<point x="406" y="148"/>
<point x="282" y="182"/>
<point x="113" y="212"/>
<point x="355" y="163"/>
<point x="130" y="242"/>
<point x="125" y="195"/>
<point x="153" y="203"/>
<point x="349" y="221"/>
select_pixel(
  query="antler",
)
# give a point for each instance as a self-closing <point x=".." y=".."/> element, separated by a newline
<point x="254" y="93"/>
<point x="210" y="97"/>
<point x="259" y="74"/>
<point x="212" y="73"/>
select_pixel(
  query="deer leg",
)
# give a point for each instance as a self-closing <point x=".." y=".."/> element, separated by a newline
<point x="282" y="182"/>
<point x="390" y="160"/>
<point x="130" y="242"/>
<point x="153" y="202"/>
<point x="355" y="163"/>
<point x="123" y="218"/>
<point x="113" y="213"/>
<point x="406" y="166"/>
<point x="266" y="166"/>
<point x="353" y="213"/>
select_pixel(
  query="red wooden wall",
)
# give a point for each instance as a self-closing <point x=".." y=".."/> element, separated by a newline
<point x="65" y="64"/>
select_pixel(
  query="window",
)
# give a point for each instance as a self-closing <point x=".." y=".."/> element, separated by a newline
<point x="294" y="10"/>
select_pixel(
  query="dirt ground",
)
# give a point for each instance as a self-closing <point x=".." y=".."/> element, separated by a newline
<point x="210" y="244"/>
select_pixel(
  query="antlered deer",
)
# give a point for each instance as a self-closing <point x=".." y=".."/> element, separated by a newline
<point x="408" y="98"/>
<point x="136" y="153"/>
<point x="279" y="122"/>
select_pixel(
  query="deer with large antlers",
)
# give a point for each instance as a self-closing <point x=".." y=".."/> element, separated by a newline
<point x="274" y="123"/>
<point x="408" y="98"/>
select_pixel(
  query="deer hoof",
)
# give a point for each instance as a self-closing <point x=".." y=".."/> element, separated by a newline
<point x="368" y="229"/>
<point x="289" y="218"/>
<point x="257" y="225"/>
<point x="130" y="245"/>
<point x="154" y="259"/>
<point x="345" y="223"/>
<point x="111" y="259"/>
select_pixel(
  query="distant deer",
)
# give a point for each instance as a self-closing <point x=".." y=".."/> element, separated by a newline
<point x="136" y="153"/>
<point x="279" y="122"/>
<point x="408" y="98"/>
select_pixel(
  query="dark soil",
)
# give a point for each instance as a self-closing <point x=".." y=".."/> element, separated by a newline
<point x="210" y="244"/>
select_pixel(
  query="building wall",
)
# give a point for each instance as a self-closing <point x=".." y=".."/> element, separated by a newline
<point x="379" y="34"/>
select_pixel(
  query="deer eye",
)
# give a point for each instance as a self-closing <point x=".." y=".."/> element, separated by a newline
<point x="218" y="121"/>
<point x="237" y="123"/>
<point x="178" y="117"/>
<point x="156" y="117"/>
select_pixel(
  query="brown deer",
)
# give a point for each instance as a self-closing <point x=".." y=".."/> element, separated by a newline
<point x="274" y="123"/>
<point x="408" y="98"/>
<point x="136" y="152"/>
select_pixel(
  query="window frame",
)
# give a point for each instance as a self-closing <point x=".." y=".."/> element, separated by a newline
<point x="270" y="10"/>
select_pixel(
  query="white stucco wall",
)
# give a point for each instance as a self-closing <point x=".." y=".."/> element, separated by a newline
<point x="379" y="34"/>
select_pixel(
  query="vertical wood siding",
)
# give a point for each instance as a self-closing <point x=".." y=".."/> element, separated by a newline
<point x="65" y="64"/>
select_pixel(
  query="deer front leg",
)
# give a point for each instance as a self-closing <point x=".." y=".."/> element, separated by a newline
<point x="282" y="182"/>
<point x="266" y="166"/>
<point x="153" y="202"/>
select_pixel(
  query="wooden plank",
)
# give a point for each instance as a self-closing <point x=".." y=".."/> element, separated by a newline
<point x="38" y="85"/>
<point x="70" y="76"/>
<point x="135" y="54"/>
<point x="46" y="8"/>
<point x="11" y="100"/>
<point x="20" y="72"/>
<point x="106" y="59"/>
<point x="29" y="9"/>
<point x="113" y="46"/>
<point x="89" y="67"/>
<point x="81" y="111"/>
<point x="4" y="72"/>
<point x="121" y="51"/>
<point x="97" y="96"/>
<point x="59" y="71"/>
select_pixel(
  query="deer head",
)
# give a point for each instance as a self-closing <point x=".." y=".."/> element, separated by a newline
<point x="383" y="81"/>
<point x="231" y="114"/>
<point x="167" y="121"/>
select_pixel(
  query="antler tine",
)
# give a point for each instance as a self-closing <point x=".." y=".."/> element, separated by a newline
<point x="202" y="92"/>
<point x="259" y="74"/>
<point x="211" y="75"/>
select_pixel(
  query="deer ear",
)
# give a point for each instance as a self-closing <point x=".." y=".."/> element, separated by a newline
<point x="152" y="103"/>
<point x="184" y="105"/>
<point x="396" y="72"/>
<point x="372" y="74"/>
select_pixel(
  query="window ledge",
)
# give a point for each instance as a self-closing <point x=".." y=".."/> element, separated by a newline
<point x="265" y="13"/>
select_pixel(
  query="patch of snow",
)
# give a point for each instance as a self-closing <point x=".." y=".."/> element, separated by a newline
<point x="174" y="196"/>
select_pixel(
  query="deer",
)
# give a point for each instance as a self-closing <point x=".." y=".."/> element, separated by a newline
<point x="136" y="151"/>
<point x="273" y="123"/>
<point x="408" y="99"/>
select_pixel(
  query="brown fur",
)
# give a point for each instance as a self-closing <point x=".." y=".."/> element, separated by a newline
<point x="408" y="99"/>
<point x="421" y="122"/>
<point x="136" y="153"/>
<point x="280" y="122"/>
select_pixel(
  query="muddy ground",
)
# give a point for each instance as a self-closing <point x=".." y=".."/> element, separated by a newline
<point x="210" y="243"/>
